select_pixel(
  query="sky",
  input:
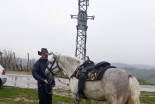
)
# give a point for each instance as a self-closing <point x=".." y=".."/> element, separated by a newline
<point x="123" y="30"/>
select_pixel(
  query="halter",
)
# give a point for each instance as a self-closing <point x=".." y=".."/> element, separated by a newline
<point x="57" y="66"/>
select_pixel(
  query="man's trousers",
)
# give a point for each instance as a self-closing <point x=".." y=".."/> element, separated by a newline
<point x="44" y="97"/>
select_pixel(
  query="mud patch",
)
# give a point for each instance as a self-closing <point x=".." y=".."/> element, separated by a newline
<point x="59" y="102"/>
<point x="24" y="99"/>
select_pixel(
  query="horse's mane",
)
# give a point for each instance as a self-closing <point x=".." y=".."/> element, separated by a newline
<point x="71" y="59"/>
<point x="69" y="63"/>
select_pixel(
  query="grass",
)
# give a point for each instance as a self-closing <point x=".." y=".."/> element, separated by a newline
<point x="146" y="83"/>
<point x="61" y="75"/>
<point x="10" y="71"/>
<point x="13" y="95"/>
<point x="148" y="97"/>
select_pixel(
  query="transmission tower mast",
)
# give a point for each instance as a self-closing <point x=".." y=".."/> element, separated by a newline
<point x="81" y="38"/>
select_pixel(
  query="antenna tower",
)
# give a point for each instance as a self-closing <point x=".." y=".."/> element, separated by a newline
<point x="81" y="38"/>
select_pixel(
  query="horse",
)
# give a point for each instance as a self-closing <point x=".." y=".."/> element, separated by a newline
<point x="117" y="86"/>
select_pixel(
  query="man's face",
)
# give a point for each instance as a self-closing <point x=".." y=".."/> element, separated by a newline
<point x="44" y="56"/>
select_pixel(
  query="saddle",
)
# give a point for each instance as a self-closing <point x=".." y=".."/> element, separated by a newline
<point x="88" y="71"/>
<point x="92" y="72"/>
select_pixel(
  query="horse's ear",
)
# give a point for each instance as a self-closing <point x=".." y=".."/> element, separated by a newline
<point x="54" y="55"/>
<point x="52" y="58"/>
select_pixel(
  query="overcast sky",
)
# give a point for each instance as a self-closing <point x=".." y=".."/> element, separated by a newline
<point x="123" y="30"/>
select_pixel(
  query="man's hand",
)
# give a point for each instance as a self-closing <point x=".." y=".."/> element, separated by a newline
<point x="45" y="81"/>
<point x="53" y="83"/>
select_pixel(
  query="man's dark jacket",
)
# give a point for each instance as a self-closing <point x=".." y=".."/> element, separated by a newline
<point x="38" y="71"/>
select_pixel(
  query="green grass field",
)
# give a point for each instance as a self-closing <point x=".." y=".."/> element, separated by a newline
<point x="13" y="95"/>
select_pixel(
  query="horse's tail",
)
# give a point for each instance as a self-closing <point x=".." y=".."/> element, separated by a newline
<point x="135" y="91"/>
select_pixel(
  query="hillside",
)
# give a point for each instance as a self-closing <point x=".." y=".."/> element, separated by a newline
<point x="145" y="72"/>
<point x="134" y="66"/>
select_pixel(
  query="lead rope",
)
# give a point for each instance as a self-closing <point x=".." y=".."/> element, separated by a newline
<point x="62" y="82"/>
<point x="49" y="92"/>
<point x="51" y="82"/>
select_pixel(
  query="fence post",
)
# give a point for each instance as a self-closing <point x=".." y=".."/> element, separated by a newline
<point x="11" y="64"/>
<point x="30" y="66"/>
<point x="21" y="65"/>
<point x="28" y="63"/>
<point x="14" y="61"/>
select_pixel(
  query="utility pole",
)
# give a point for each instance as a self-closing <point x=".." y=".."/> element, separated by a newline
<point x="81" y="38"/>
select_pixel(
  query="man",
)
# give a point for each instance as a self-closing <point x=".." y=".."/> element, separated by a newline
<point x="38" y="73"/>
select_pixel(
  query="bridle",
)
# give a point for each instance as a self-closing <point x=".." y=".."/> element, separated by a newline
<point x="57" y="66"/>
<point x="51" y="71"/>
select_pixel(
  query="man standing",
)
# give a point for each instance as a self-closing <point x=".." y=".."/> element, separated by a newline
<point x="38" y="73"/>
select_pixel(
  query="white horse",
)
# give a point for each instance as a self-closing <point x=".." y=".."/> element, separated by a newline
<point x="117" y="86"/>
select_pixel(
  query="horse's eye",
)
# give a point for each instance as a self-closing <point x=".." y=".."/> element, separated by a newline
<point x="50" y="62"/>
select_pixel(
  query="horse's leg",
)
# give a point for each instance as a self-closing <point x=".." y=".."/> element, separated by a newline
<point x="111" y="98"/>
<point x="76" y="101"/>
<point x="88" y="101"/>
<point x="122" y="99"/>
<point x="112" y="101"/>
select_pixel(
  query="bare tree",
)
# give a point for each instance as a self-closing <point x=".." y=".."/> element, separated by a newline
<point x="10" y="61"/>
<point x="1" y="58"/>
<point x="7" y="58"/>
<point x="32" y="63"/>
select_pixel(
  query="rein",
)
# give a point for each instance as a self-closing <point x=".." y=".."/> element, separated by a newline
<point x="62" y="82"/>
<point x="74" y="73"/>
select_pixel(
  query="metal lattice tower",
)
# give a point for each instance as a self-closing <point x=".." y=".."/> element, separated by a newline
<point x="81" y="38"/>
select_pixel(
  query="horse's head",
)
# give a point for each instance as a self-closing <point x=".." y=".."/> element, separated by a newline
<point x="66" y="63"/>
<point x="53" y="67"/>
